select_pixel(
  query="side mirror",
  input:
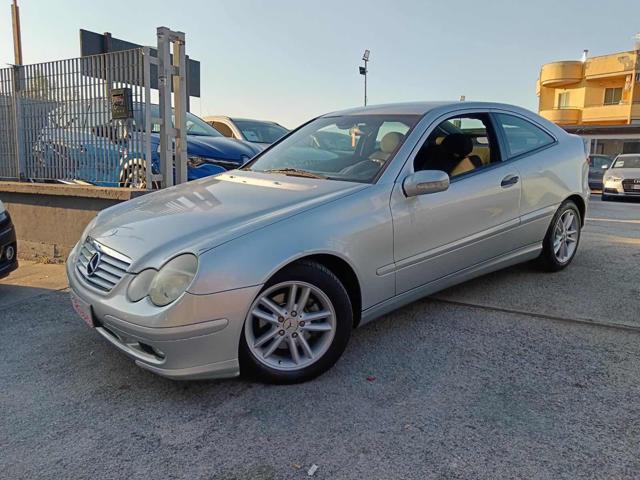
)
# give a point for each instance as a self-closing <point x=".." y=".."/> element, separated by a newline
<point x="605" y="166"/>
<point x="425" y="181"/>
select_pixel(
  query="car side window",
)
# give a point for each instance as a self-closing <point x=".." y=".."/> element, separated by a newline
<point x="459" y="145"/>
<point x="522" y="136"/>
<point x="223" y="128"/>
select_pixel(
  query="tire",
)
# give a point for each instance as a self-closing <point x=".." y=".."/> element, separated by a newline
<point x="552" y="259"/>
<point x="134" y="174"/>
<point x="273" y="360"/>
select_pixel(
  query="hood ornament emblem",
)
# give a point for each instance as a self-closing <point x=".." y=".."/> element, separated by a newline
<point x="93" y="264"/>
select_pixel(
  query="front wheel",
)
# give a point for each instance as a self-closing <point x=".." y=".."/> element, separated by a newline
<point x="298" y="326"/>
<point x="563" y="236"/>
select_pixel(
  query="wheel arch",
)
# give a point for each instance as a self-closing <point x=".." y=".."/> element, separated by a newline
<point x="341" y="269"/>
<point x="582" y="206"/>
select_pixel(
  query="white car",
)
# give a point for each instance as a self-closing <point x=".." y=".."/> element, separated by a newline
<point x="622" y="179"/>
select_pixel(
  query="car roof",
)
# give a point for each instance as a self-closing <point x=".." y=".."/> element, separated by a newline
<point x="211" y="118"/>
<point x="628" y="155"/>
<point x="234" y="119"/>
<point x="417" y="108"/>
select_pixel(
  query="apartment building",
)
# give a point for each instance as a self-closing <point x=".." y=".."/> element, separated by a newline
<point x="597" y="98"/>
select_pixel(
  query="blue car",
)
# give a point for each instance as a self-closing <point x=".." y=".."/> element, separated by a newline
<point x="89" y="147"/>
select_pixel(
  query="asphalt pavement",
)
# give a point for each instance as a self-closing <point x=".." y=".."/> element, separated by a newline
<point x="519" y="374"/>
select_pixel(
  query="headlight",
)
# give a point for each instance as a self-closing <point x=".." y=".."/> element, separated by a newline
<point x="196" y="161"/>
<point x="613" y="179"/>
<point x="140" y="285"/>
<point x="173" y="279"/>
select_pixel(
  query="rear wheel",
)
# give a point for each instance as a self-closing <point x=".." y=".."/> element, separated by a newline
<point x="298" y="325"/>
<point x="563" y="236"/>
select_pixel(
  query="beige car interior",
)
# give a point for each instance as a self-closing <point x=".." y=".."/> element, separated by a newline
<point x="388" y="145"/>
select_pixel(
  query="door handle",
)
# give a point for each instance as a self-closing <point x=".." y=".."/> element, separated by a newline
<point x="509" y="180"/>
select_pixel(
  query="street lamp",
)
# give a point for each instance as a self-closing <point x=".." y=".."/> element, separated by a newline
<point x="364" y="71"/>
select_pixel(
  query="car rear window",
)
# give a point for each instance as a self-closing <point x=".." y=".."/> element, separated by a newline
<point x="522" y="136"/>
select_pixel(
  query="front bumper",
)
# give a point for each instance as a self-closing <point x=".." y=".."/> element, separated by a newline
<point x="622" y="188"/>
<point x="7" y="242"/>
<point x="195" y="337"/>
<point x="620" y="193"/>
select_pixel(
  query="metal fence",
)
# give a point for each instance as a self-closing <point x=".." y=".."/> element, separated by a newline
<point x="55" y="120"/>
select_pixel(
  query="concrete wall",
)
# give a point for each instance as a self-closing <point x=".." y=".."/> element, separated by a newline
<point x="49" y="218"/>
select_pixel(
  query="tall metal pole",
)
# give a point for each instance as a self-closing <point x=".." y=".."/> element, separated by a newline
<point x="17" y="41"/>
<point x="363" y="71"/>
<point x="365" y="82"/>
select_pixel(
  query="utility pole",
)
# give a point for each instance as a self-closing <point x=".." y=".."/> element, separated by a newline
<point x="17" y="42"/>
<point x="364" y="71"/>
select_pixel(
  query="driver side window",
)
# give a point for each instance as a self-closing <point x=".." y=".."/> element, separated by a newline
<point x="459" y="145"/>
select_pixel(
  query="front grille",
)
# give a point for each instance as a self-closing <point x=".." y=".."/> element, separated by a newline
<point x="100" y="266"/>
<point x="631" y="185"/>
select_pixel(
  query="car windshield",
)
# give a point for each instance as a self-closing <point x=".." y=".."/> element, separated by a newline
<point x="353" y="148"/>
<point x="632" y="161"/>
<point x="260" y="132"/>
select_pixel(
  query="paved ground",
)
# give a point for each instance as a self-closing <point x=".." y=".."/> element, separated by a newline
<point x="456" y="387"/>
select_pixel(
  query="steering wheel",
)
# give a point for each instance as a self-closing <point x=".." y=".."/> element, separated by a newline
<point x="363" y="169"/>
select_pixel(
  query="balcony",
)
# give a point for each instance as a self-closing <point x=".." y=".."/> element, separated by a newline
<point x="609" y="66"/>
<point x="562" y="116"/>
<point x="618" y="113"/>
<point x="560" y="74"/>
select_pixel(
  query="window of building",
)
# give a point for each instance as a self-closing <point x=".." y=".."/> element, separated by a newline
<point x="612" y="96"/>
<point x="522" y="136"/>
<point x="563" y="100"/>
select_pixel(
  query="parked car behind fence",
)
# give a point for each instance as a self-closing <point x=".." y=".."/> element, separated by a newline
<point x="90" y="147"/>
<point x="255" y="131"/>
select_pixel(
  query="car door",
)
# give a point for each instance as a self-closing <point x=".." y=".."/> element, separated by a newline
<point x="543" y="163"/>
<point x="439" y="234"/>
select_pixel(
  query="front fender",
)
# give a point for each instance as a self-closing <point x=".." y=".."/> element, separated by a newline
<point x="356" y="229"/>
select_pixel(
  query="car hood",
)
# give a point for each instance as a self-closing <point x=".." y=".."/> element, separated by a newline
<point x="199" y="215"/>
<point x="623" y="173"/>
<point x="222" y="148"/>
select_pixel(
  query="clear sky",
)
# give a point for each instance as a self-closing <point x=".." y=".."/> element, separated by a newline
<point x="290" y="60"/>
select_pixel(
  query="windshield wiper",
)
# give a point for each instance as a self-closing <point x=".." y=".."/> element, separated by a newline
<point x="294" y="172"/>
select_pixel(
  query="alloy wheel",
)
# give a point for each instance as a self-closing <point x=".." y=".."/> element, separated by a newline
<point x="290" y="326"/>
<point x="565" y="236"/>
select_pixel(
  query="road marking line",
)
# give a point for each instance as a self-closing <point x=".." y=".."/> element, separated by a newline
<point x="612" y="220"/>
<point x="581" y="321"/>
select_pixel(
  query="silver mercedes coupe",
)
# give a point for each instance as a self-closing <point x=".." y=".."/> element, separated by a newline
<point x="267" y="269"/>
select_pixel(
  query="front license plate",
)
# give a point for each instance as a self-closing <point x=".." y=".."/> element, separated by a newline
<point x="83" y="309"/>
<point x="636" y="186"/>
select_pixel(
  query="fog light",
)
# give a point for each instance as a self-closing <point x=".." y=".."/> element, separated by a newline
<point x="10" y="252"/>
